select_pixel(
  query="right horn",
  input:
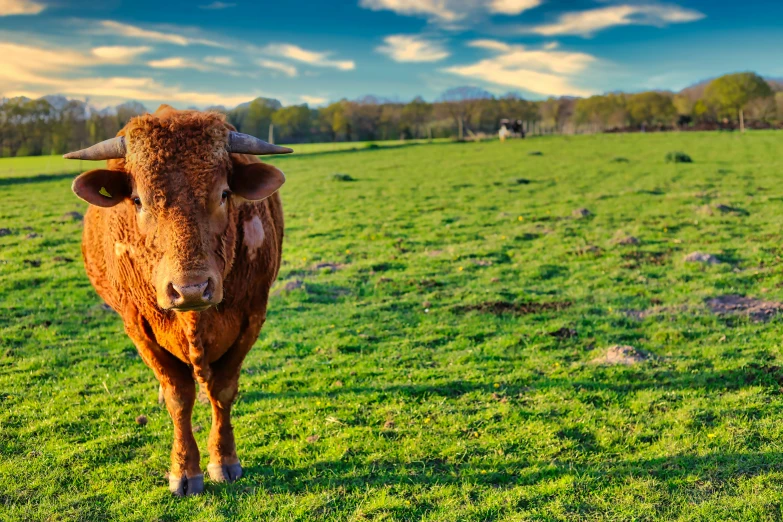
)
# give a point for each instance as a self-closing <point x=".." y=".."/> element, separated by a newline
<point x="239" y="143"/>
<point x="109" y="149"/>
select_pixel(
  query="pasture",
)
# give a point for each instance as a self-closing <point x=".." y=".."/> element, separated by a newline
<point x="434" y="345"/>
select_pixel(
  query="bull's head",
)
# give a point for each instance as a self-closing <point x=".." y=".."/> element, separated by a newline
<point x="176" y="178"/>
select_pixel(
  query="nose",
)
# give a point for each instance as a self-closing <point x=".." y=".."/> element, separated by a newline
<point x="191" y="295"/>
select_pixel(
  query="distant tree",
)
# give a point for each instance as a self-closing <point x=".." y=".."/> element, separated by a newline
<point x="761" y="109"/>
<point x="779" y="105"/>
<point x="462" y="103"/>
<point x="651" y="108"/>
<point x="602" y="111"/>
<point x="415" y="114"/>
<point x="292" y="123"/>
<point x="127" y="110"/>
<point x="730" y="94"/>
<point x="555" y="112"/>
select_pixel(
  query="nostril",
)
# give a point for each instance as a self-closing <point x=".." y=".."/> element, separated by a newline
<point x="209" y="289"/>
<point x="172" y="293"/>
<point x="187" y="293"/>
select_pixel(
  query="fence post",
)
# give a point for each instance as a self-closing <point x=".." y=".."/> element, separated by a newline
<point x="460" y="129"/>
<point x="742" y="121"/>
<point x="272" y="133"/>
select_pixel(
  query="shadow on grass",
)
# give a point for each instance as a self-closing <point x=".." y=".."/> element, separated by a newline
<point x="616" y="380"/>
<point x="356" y="472"/>
<point x="42" y="178"/>
<point x="363" y="148"/>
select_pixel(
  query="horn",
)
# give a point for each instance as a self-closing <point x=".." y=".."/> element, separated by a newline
<point x="108" y="149"/>
<point x="246" y="144"/>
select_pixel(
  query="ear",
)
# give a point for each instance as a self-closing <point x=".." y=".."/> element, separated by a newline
<point x="104" y="188"/>
<point x="256" y="181"/>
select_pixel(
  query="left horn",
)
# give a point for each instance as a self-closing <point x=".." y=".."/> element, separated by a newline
<point x="246" y="144"/>
<point x="109" y="149"/>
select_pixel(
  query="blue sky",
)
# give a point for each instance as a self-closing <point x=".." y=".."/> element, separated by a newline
<point x="208" y="52"/>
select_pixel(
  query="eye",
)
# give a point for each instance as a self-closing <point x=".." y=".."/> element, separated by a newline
<point x="224" y="196"/>
<point x="137" y="202"/>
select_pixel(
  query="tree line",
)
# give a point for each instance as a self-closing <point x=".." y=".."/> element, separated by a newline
<point x="54" y="124"/>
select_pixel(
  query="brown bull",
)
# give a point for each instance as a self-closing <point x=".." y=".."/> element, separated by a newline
<point x="183" y="239"/>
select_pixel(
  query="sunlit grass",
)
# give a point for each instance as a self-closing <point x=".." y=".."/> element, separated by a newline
<point x="408" y="369"/>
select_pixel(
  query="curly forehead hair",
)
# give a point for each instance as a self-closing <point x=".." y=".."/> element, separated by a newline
<point x="197" y="139"/>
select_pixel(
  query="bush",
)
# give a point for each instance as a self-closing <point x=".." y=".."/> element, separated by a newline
<point x="342" y="177"/>
<point x="678" y="157"/>
<point x="620" y="159"/>
<point x="371" y="146"/>
<point x="535" y="153"/>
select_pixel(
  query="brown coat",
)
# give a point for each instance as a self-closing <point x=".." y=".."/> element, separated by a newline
<point x="175" y="160"/>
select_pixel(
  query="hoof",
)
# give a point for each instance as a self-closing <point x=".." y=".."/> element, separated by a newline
<point x="224" y="472"/>
<point x="184" y="486"/>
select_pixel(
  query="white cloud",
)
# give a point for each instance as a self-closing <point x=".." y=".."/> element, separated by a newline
<point x="492" y="45"/>
<point x="543" y="71"/>
<point x="435" y="10"/>
<point x="36" y="71"/>
<point x="316" y="58"/>
<point x="119" y="53"/>
<point x="217" y="5"/>
<point x="313" y="100"/>
<point x="512" y="7"/>
<point x="451" y="14"/>
<point x="412" y="48"/>
<point x="219" y="60"/>
<point x="177" y="62"/>
<point x="586" y="23"/>
<point x="288" y="70"/>
<point x="20" y="7"/>
<point x="132" y="31"/>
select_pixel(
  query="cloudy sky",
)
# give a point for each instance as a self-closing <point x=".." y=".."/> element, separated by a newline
<point x="314" y="51"/>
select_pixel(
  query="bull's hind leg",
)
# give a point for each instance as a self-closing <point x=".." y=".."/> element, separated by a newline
<point x="222" y="391"/>
<point x="179" y="393"/>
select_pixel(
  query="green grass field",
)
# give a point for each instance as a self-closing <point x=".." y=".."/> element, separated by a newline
<point x="37" y="165"/>
<point x="430" y="351"/>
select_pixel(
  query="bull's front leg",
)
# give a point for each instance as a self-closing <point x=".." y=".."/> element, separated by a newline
<point x="222" y="389"/>
<point x="179" y="393"/>
<point x="178" y="390"/>
<point x="223" y="461"/>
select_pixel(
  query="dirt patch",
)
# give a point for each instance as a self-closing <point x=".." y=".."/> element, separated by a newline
<point x="62" y="259"/>
<point x="640" y="257"/>
<point x="481" y="262"/>
<point x="733" y="304"/>
<point x="581" y="213"/>
<point x="329" y="266"/>
<point x="505" y="307"/>
<point x="623" y="355"/>
<point x="72" y="216"/>
<point x="563" y="333"/>
<point x="588" y="250"/>
<point x="289" y="286"/>
<point x="701" y="257"/>
<point x="31" y="235"/>
<point x="5" y="232"/>
<point x="35" y="263"/>
<point x="627" y="240"/>
<point x="710" y="210"/>
<point x="434" y="253"/>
